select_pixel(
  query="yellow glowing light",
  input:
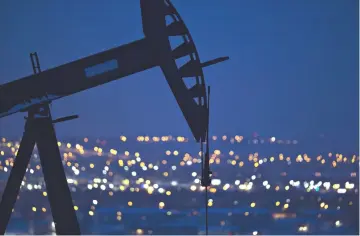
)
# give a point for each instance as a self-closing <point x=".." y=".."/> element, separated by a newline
<point x="33" y="209"/>
<point x="44" y="194"/>
<point x="161" y="205"/>
<point x="277" y="203"/>
<point x="130" y="203"/>
<point x="334" y="163"/>
<point x="92" y="165"/>
<point x="126" y="181"/>
<point x="286" y="206"/>
<point x="113" y="151"/>
<point x="121" y="163"/>
<point x="253" y="204"/>
<point x="180" y="139"/>
<point x="76" y="208"/>
<point x="212" y="190"/>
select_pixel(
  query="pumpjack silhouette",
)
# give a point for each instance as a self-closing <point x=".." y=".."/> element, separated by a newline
<point x="33" y="94"/>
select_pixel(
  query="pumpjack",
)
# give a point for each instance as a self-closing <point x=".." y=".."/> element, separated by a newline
<point x="33" y="94"/>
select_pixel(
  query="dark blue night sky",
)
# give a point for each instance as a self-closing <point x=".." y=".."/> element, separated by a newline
<point x="293" y="67"/>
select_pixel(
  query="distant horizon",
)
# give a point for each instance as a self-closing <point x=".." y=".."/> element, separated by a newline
<point x="324" y="143"/>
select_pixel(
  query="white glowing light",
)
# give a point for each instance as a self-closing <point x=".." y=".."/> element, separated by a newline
<point x="341" y="190"/>
<point x="215" y="182"/>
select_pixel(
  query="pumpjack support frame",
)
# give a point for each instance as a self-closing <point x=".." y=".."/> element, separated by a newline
<point x="39" y="130"/>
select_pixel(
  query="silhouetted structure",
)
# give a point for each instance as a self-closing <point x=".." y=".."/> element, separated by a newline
<point x="34" y="93"/>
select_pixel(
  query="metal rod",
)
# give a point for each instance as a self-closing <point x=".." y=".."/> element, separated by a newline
<point x="207" y="168"/>
<point x="66" y="118"/>
<point x="214" y="61"/>
<point x="206" y="212"/>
